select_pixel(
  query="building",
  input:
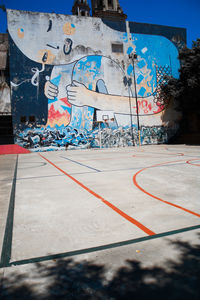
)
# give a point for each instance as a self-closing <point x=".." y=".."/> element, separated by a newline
<point x="5" y="106"/>
<point x="90" y="81"/>
<point x="108" y="9"/>
<point x="6" y="135"/>
<point x="81" y="8"/>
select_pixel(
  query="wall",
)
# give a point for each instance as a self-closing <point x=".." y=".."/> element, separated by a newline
<point x="64" y="69"/>
<point x="5" y="105"/>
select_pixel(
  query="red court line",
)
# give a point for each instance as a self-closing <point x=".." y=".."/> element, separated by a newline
<point x="189" y="162"/>
<point x="157" y="198"/>
<point x="168" y="149"/>
<point x="12" y="149"/>
<point x="117" y="210"/>
<point x="154" y="155"/>
<point x="158" y="153"/>
<point x="135" y="155"/>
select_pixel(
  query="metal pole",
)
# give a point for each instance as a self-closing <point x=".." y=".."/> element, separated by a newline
<point x="131" y="117"/>
<point x="100" y="144"/>
<point x="133" y="57"/>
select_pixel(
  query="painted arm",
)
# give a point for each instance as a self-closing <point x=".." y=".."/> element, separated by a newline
<point x="79" y="95"/>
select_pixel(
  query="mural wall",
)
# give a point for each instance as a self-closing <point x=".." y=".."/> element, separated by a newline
<point x="65" y="69"/>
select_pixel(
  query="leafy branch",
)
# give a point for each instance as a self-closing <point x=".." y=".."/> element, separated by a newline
<point x="2" y="6"/>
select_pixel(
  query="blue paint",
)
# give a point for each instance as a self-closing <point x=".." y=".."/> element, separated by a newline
<point x="130" y="70"/>
<point x="141" y="64"/>
<point x="140" y="78"/>
<point x="101" y="87"/>
<point x="56" y="80"/>
<point x="142" y="91"/>
<point x="130" y="50"/>
<point x="125" y="37"/>
<point x="73" y="26"/>
<point x="68" y="71"/>
<point x="65" y="107"/>
<point x="76" y="117"/>
<point x="52" y="100"/>
<point x="89" y="69"/>
<point x="156" y="54"/>
<point x="90" y="86"/>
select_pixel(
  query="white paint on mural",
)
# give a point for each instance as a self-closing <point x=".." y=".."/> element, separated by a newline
<point x="144" y="50"/>
<point x="88" y="71"/>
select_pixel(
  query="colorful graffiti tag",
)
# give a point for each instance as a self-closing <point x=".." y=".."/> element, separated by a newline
<point x="67" y="76"/>
<point x="62" y="137"/>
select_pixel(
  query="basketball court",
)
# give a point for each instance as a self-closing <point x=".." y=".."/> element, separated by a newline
<point x="69" y="203"/>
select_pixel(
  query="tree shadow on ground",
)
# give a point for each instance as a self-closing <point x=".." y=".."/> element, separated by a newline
<point x="86" y="280"/>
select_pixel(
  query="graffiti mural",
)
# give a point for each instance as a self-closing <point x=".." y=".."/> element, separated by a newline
<point x="61" y="76"/>
<point x="62" y="137"/>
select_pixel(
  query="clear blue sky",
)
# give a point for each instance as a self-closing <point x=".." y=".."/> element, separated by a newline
<point x="178" y="13"/>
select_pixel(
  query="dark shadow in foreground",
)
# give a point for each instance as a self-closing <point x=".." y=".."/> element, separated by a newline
<point x="86" y="280"/>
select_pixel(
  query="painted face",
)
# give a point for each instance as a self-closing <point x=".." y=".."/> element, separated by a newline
<point x="59" y="39"/>
<point x="44" y="38"/>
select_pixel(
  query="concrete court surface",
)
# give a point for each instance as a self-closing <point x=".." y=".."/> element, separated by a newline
<point x="86" y="212"/>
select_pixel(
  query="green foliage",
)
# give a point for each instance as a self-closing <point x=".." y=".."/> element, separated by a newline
<point x="185" y="91"/>
<point x="2" y="6"/>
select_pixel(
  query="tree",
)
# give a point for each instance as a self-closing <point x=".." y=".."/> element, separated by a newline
<point x="185" y="91"/>
<point x="2" y="6"/>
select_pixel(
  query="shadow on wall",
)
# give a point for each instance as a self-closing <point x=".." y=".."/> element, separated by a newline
<point x="171" y="118"/>
<point x="86" y="280"/>
<point x="185" y="122"/>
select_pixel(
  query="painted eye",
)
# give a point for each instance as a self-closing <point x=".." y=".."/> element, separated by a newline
<point x="20" y="33"/>
<point x="45" y="56"/>
<point x="50" y="25"/>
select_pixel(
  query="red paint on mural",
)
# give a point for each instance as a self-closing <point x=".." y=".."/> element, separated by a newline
<point x="56" y="115"/>
<point x="147" y="107"/>
<point x="65" y="100"/>
<point x="144" y="106"/>
<point x="160" y="108"/>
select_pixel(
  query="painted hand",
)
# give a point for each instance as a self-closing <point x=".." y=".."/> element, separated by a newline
<point x="78" y="94"/>
<point x="50" y="90"/>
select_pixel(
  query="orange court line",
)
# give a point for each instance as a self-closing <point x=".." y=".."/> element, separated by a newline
<point x="157" y="198"/>
<point x="117" y="210"/>
<point x="134" y="155"/>
<point x="189" y="162"/>
<point x="151" y="155"/>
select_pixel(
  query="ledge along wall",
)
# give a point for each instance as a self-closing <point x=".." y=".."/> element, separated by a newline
<point x="64" y="69"/>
